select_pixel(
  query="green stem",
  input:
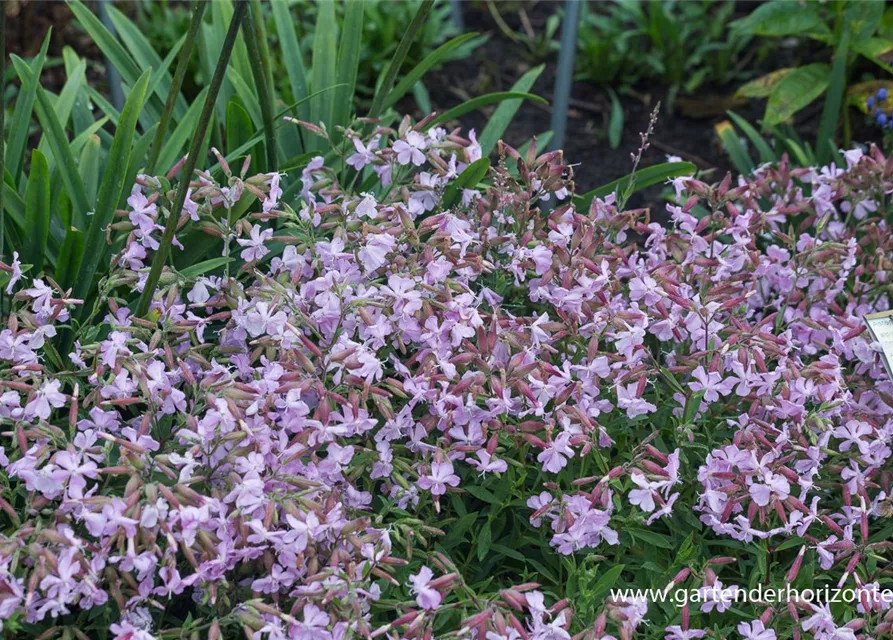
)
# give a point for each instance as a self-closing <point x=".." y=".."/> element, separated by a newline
<point x="189" y="167"/>
<point x="198" y="12"/>
<point x="253" y="34"/>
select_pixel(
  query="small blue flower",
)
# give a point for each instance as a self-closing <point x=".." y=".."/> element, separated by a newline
<point x="870" y="102"/>
<point x="881" y="119"/>
<point x="882" y="94"/>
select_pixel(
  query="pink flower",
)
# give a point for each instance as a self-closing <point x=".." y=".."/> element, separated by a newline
<point x="555" y="456"/>
<point x="411" y="149"/>
<point x="255" y="244"/>
<point x="441" y="475"/>
<point x="426" y="597"/>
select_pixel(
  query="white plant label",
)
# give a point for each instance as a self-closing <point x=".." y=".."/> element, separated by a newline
<point x="880" y="325"/>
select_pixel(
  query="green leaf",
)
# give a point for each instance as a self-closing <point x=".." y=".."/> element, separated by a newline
<point x="484" y="540"/>
<point x="615" y="122"/>
<point x="65" y="101"/>
<point x="145" y="57"/>
<point x="112" y="185"/>
<point x="238" y="125"/>
<point x="608" y="580"/>
<point x="37" y="211"/>
<point x="324" y="65"/>
<point x="70" y="256"/>
<point x="478" y="102"/>
<point x="784" y="18"/>
<point x="348" y="63"/>
<point x="468" y="179"/>
<point x="443" y="52"/>
<point x="862" y="19"/>
<point x="58" y="142"/>
<point x="733" y="146"/>
<point x="173" y="146"/>
<point x="502" y="117"/>
<point x="692" y="406"/>
<point x="89" y="167"/>
<point x="796" y="90"/>
<point x="383" y="90"/>
<point x="759" y="142"/>
<point x="291" y="55"/>
<point x="19" y="125"/>
<point x="825" y="147"/>
<point x="644" y="178"/>
<point x="651" y="538"/>
<point x="207" y="266"/>
<point x="764" y="85"/>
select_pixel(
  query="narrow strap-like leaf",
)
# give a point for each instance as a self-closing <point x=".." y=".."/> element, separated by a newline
<point x="437" y="56"/>
<point x="644" y="178"/>
<point x="21" y="115"/>
<point x="348" y="64"/>
<point x="251" y="33"/>
<point x="824" y="144"/>
<point x="481" y="101"/>
<point x="198" y="138"/>
<point x="58" y="141"/>
<point x="502" y="117"/>
<point x="291" y="55"/>
<point x="390" y="75"/>
<point x="324" y="66"/>
<point x="111" y="186"/>
<point x="198" y="11"/>
<point x="37" y="211"/>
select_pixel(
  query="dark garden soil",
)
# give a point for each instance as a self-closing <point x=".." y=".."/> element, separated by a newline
<point x="687" y="131"/>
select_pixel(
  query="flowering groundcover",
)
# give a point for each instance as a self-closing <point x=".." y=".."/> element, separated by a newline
<point x="411" y="404"/>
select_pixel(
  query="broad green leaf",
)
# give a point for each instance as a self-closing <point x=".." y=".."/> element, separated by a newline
<point x="481" y="101"/>
<point x="608" y="580"/>
<point x="58" y="142"/>
<point x="862" y="19"/>
<point x="644" y="178"/>
<point x="19" y="124"/>
<point x="796" y="90"/>
<point x="824" y="144"/>
<point x="324" y="65"/>
<point x="651" y="538"/>
<point x="37" y="211"/>
<point x="733" y="146"/>
<point x="502" y="117"/>
<point x="784" y="18"/>
<point x="348" y="64"/>
<point x="112" y="185"/>
<point x="437" y="56"/>
<point x="763" y="86"/>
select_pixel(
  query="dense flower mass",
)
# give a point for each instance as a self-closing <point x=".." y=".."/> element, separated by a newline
<point x="402" y="402"/>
